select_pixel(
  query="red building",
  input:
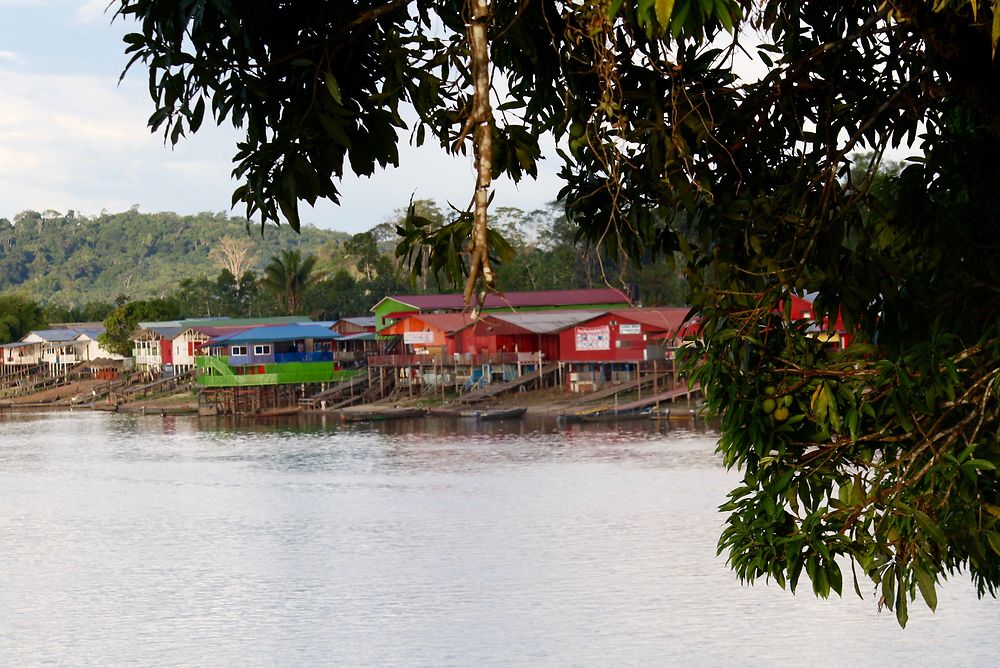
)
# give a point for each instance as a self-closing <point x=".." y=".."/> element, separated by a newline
<point x="532" y="332"/>
<point x="432" y="333"/>
<point x="834" y="335"/>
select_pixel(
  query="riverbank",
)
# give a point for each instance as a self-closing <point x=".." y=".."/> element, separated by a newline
<point x="73" y="394"/>
<point x="545" y="402"/>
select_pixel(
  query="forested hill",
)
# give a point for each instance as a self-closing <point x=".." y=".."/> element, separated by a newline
<point x="71" y="260"/>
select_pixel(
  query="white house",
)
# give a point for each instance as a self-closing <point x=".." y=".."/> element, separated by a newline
<point x="187" y="345"/>
<point x="59" y="352"/>
<point x="21" y="354"/>
<point x="152" y="347"/>
<point x="89" y="348"/>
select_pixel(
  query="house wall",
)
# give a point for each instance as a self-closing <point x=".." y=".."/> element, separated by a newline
<point x="60" y="354"/>
<point x="147" y="354"/>
<point x="23" y="355"/>
<point x="250" y="358"/>
<point x="185" y="345"/>
<point x="90" y="349"/>
<point x="386" y="307"/>
<point x="607" y="338"/>
<point x="167" y="351"/>
<point x="437" y="337"/>
<point x="347" y="328"/>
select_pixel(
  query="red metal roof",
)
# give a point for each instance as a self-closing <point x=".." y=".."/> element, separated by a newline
<point x="449" y="323"/>
<point x="217" y="330"/>
<point x="539" y="298"/>
<point x="657" y="319"/>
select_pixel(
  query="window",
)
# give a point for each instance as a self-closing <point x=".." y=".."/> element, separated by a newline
<point x="262" y="349"/>
<point x="238" y="350"/>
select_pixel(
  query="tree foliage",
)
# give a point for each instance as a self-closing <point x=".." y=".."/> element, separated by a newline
<point x="888" y="455"/>
<point x="287" y="277"/>
<point x="70" y="260"/>
<point x="18" y="316"/>
<point x="124" y="319"/>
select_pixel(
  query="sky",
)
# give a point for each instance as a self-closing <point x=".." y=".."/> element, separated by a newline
<point x="73" y="137"/>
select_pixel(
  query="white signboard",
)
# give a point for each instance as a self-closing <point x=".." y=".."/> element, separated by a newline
<point x="633" y="328"/>
<point x="593" y="338"/>
<point x="418" y="338"/>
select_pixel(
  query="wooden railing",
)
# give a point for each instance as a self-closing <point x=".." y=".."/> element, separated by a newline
<point x="461" y="359"/>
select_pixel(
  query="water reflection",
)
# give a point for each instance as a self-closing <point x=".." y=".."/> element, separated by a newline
<point x="156" y="540"/>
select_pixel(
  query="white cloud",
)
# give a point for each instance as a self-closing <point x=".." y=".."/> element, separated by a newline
<point x="82" y="143"/>
<point x="93" y="11"/>
<point x="10" y="57"/>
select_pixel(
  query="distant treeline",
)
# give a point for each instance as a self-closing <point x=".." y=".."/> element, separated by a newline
<point x="67" y="268"/>
<point x="70" y="260"/>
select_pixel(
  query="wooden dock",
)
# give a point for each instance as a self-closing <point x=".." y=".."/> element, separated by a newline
<point x="663" y="397"/>
<point x="496" y="389"/>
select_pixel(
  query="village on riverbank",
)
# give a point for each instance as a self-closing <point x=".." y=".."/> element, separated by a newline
<point x="582" y="354"/>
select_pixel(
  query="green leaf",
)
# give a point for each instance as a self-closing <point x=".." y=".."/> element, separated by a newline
<point x="982" y="464"/>
<point x="889" y="587"/>
<point x="664" y="8"/>
<point x="930" y="528"/>
<point x="902" y="614"/>
<point x="995" y="33"/>
<point x="994" y="540"/>
<point x="333" y="87"/>
<point x="835" y="577"/>
<point x="925" y="582"/>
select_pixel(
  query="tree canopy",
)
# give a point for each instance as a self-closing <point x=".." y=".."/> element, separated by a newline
<point x="288" y="276"/>
<point x="887" y="459"/>
<point x="69" y="259"/>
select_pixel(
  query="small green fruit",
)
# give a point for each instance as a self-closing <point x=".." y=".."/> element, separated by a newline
<point x="770" y="389"/>
<point x="768" y="405"/>
<point x="576" y="129"/>
<point x="789" y="400"/>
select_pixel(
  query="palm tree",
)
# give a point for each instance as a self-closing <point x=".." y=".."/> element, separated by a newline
<point x="287" y="277"/>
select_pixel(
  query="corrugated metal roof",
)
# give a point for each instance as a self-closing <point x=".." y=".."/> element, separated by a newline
<point x="538" y="298"/>
<point x="92" y="333"/>
<point x="79" y="326"/>
<point x="657" y="319"/>
<point x="224" y="330"/>
<point x="546" y="322"/>
<point x="159" y="323"/>
<point x="226" y="321"/>
<point x="449" y="323"/>
<point x="360" y="321"/>
<point x="54" y="335"/>
<point x="291" y="332"/>
<point x="18" y="344"/>
<point x="166" y="332"/>
<point x="246" y="322"/>
<point x="446" y="322"/>
<point x="360" y="336"/>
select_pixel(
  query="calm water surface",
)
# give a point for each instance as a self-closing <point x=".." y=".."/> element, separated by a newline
<point x="133" y="540"/>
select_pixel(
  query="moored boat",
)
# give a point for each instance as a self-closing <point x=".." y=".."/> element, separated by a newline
<point x="502" y="413"/>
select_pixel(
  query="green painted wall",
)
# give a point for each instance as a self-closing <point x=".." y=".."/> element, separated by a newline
<point x="213" y="372"/>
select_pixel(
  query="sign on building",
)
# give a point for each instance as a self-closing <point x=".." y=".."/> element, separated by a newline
<point x="418" y="338"/>
<point x="593" y="338"/>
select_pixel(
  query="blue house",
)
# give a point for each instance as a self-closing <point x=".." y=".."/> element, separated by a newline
<point x="281" y="344"/>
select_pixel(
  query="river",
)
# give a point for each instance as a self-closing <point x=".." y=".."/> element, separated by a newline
<point x="148" y="540"/>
